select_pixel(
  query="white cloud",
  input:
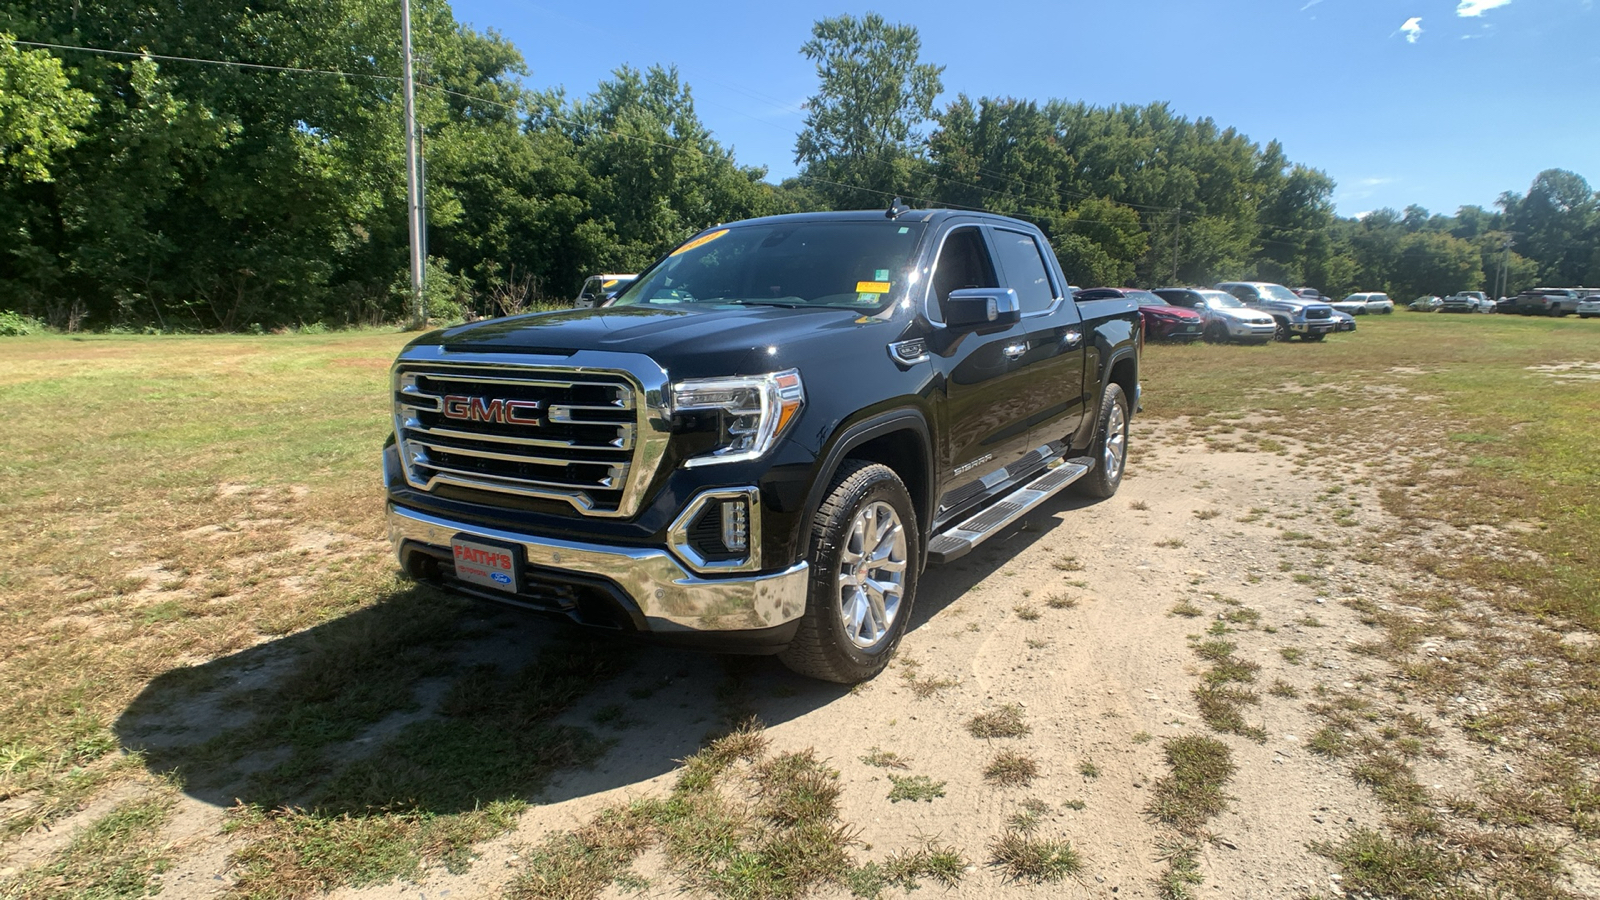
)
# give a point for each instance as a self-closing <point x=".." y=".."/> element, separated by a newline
<point x="1469" y="9"/>
<point x="1412" y="29"/>
<point x="1312" y="3"/>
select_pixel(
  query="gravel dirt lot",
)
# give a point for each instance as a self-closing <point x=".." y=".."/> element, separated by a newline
<point x="1069" y="616"/>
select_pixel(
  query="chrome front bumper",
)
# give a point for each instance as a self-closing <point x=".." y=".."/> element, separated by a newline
<point x="671" y="598"/>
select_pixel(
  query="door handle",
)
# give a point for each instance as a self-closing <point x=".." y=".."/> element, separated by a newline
<point x="1071" y="339"/>
<point x="1015" y="350"/>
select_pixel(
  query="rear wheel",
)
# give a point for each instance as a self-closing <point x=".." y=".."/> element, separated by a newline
<point x="1110" y="450"/>
<point x="864" y="558"/>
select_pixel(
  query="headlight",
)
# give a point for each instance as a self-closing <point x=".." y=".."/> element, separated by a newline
<point x="753" y="411"/>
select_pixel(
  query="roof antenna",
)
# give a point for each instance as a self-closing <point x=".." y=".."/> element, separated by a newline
<point x="897" y="208"/>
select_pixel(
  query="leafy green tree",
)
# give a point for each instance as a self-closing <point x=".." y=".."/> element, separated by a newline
<point x="1428" y="262"/>
<point x="1097" y="242"/>
<point x="862" y="127"/>
<point x="40" y="112"/>
<point x="1555" y="224"/>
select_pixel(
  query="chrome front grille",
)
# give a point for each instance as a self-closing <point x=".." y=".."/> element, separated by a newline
<point x="584" y="437"/>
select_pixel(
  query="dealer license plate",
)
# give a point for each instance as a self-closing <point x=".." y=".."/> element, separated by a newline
<point x="489" y="565"/>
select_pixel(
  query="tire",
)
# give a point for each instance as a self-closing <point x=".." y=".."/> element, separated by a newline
<point x="1312" y="338"/>
<point x="832" y="642"/>
<point x="1110" y="448"/>
<point x="1216" y="333"/>
<point x="1283" y="333"/>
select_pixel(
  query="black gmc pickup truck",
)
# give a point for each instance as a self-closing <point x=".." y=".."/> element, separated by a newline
<point x="766" y="438"/>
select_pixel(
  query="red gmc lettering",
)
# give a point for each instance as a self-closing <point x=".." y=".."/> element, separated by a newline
<point x="479" y="409"/>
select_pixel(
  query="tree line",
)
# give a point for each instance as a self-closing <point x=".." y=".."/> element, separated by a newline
<point x="229" y="166"/>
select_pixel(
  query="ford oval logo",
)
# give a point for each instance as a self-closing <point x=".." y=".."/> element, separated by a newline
<point x="500" y="577"/>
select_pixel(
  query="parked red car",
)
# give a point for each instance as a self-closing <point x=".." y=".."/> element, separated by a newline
<point x="1162" y="321"/>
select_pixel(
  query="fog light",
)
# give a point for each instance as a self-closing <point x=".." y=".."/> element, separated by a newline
<point x="735" y="525"/>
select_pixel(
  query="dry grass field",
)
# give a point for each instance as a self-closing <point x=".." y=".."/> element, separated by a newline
<point x="1337" y="635"/>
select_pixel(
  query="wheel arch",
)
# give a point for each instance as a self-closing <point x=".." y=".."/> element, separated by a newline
<point x="899" y="439"/>
<point x="1122" y="368"/>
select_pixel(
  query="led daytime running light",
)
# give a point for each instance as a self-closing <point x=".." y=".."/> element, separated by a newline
<point x="758" y="408"/>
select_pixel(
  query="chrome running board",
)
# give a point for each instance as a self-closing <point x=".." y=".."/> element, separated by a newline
<point x="959" y="540"/>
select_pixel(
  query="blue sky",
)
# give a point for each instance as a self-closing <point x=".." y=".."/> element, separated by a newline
<point x="1435" y="102"/>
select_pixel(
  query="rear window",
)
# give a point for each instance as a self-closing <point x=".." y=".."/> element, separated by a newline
<point x="1025" y="270"/>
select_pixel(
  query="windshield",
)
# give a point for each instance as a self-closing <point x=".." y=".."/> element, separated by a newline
<point x="1220" y="300"/>
<point x="855" y="265"/>
<point x="1145" y="298"/>
<point x="1278" y="292"/>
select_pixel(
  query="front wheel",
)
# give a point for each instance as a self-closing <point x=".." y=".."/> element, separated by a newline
<point x="865" y="556"/>
<point x="1216" y="333"/>
<point x="1110" y="449"/>
<point x="1312" y="337"/>
<point x="1282" y="333"/>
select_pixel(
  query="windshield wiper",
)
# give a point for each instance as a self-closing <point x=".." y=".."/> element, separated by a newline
<point x="780" y="303"/>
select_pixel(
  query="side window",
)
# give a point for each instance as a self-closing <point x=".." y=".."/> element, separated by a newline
<point x="963" y="263"/>
<point x="1025" y="270"/>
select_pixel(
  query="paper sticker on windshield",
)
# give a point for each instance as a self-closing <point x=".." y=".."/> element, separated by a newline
<point x="609" y="282"/>
<point x="700" y="241"/>
<point x="872" y="287"/>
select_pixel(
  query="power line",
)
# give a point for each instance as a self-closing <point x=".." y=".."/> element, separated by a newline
<point x="141" y="54"/>
<point x="587" y="126"/>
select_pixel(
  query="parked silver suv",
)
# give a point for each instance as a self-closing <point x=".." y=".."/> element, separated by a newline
<point x="1227" y="318"/>
<point x="1293" y="314"/>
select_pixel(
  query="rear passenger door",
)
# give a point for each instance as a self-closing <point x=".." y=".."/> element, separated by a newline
<point x="1051" y="363"/>
<point x="985" y="414"/>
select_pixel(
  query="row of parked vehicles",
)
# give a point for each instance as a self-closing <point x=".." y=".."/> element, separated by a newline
<point x="1541" y="301"/>
<point x="1246" y="312"/>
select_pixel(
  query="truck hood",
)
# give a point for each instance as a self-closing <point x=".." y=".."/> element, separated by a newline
<point x="691" y="343"/>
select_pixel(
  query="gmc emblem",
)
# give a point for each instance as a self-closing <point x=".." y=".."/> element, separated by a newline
<point x="479" y="409"/>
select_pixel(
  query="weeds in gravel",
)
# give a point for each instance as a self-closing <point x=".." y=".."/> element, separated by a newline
<point x="1026" y="613"/>
<point x="1023" y="857"/>
<point x="1284" y="689"/>
<point x="1186" y="609"/>
<point x="923" y="688"/>
<point x="914" y="788"/>
<point x="886" y="759"/>
<point x="1004" y="722"/>
<point x="939" y="863"/>
<point x="1061" y="601"/>
<point x="1010" y="768"/>
<point x="1191" y="793"/>
<point x="738" y="823"/>
<point x="1182" y="873"/>
<point x="1220" y="700"/>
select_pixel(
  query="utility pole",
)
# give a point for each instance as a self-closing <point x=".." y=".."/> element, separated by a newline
<point x="419" y="310"/>
<point x="1505" y="259"/>
<point x="1177" y="232"/>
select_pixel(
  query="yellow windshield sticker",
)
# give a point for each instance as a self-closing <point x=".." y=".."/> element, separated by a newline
<point x="608" y="282"/>
<point x="872" y="287"/>
<point x="700" y="241"/>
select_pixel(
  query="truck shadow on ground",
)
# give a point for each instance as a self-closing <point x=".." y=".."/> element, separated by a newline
<point x="423" y="702"/>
